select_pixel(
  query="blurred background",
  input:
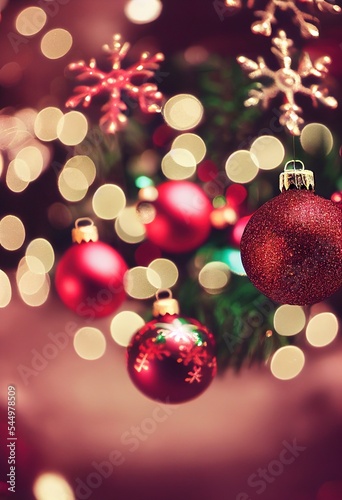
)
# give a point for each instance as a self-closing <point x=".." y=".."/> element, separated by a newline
<point x="83" y="429"/>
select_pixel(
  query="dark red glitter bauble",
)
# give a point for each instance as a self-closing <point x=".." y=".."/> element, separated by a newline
<point x="291" y="248"/>
<point x="172" y="359"/>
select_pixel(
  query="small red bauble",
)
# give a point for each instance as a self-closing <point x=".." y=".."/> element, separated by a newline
<point x="182" y="217"/>
<point x="172" y="358"/>
<point x="291" y="248"/>
<point x="89" y="276"/>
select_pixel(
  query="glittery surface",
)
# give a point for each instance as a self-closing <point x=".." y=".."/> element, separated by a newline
<point x="291" y="248"/>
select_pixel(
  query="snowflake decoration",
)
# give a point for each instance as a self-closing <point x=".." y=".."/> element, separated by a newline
<point x="302" y="19"/>
<point x="195" y="375"/>
<point x="197" y="355"/>
<point x="118" y="84"/>
<point x="307" y="29"/>
<point x="148" y="351"/>
<point x="141" y="363"/>
<point x="180" y="332"/>
<point x="288" y="81"/>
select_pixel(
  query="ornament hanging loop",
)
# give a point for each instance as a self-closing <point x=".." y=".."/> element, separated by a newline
<point x="166" y="305"/>
<point x="84" y="232"/>
<point x="296" y="177"/>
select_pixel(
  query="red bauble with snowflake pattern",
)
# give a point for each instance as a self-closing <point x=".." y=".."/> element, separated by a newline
<point x="171" y="359"/>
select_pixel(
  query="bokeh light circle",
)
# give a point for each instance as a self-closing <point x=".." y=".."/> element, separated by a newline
<point x="141" y="282"/>
<point x="267" y="152"/>
<point x="108" y="201"/>
<point x="56" y="43"/>
<point x="240" y="167"/>
<point x="322" y="329"/>
<point x="89" y="343"/>
<point x="12" y="232"/>
<point x="193" y="143"/>
<point x="289" y="320"/>
<point x="316" y="139"/>
<point x="124" y="325"/>
<point x="183" y="112"/>
<point x="287" y="362"/>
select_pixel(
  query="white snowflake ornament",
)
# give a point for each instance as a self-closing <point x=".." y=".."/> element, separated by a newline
<point x="288" y="81"/>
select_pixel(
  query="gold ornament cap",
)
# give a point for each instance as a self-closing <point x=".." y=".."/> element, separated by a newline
<point x="296" y="177"/>
<point x="84" y="230"/>
<point x="167" y="305"/>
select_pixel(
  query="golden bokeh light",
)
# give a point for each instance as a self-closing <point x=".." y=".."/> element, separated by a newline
<point x="13" y="132"/>
<point x="89" y="343"/>
<point x="129" y="227"/>
<point x="34" y="288"/>
<point x="12" y="232"/>
<point x="5" y="289"/>
<point x="85" y="165"/>
<point x="108" y="201"/>
<point x="166" y="270"/>
<point x="13" y="182"/>
<point x="316" y="139"/>
<point x="178" y="164"/>
<point x="56" y="43"/>
<point x="214" y="276"/>
<point x="322" y="329"/>
<point x="143" y="11"/>
<point x="31" y="283"/>
<point x="72" y="128"/>
<point x="52" y="486"/>
<point x="287" y="362"/>
<point x="72" y="184"/>
<point x="289" y="320"/>
<point x="240" y="167"/>
<point x="40" y="255"/>
<point x="46" y="122"/>
<point x="267" y="152"/>
<point x="193" y="143"/>
<point x="124" y="325"/>
<point x="141" y="282"/>
<point x="30" y="21"/>
<point x="183" y="112"/>
<point x="28" y="163"/>
<point x="149" y="193"/>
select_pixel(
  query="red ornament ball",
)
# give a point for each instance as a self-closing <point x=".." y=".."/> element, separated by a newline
<point x="89" y="279"/>
<point x="182" y="217"/>
<point x="291" y="248"/>
<point x="172" y="359"/>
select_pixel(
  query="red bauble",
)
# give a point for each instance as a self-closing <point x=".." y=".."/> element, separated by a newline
<point x="182" y="217"/>
<point x="89" y="279"/>
<point x="172" y="359"/>
<point x="291" y="248"/>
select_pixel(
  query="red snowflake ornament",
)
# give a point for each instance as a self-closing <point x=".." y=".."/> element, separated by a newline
<point x="118" y="84"/>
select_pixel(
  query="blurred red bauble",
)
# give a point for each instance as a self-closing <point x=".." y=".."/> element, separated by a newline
<point x="291" y="248"/>
<point x="181" y="220"/>
<point x="89" y="277"/>
<point x="172" y="358"/>
<point x="331" y="490"/>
